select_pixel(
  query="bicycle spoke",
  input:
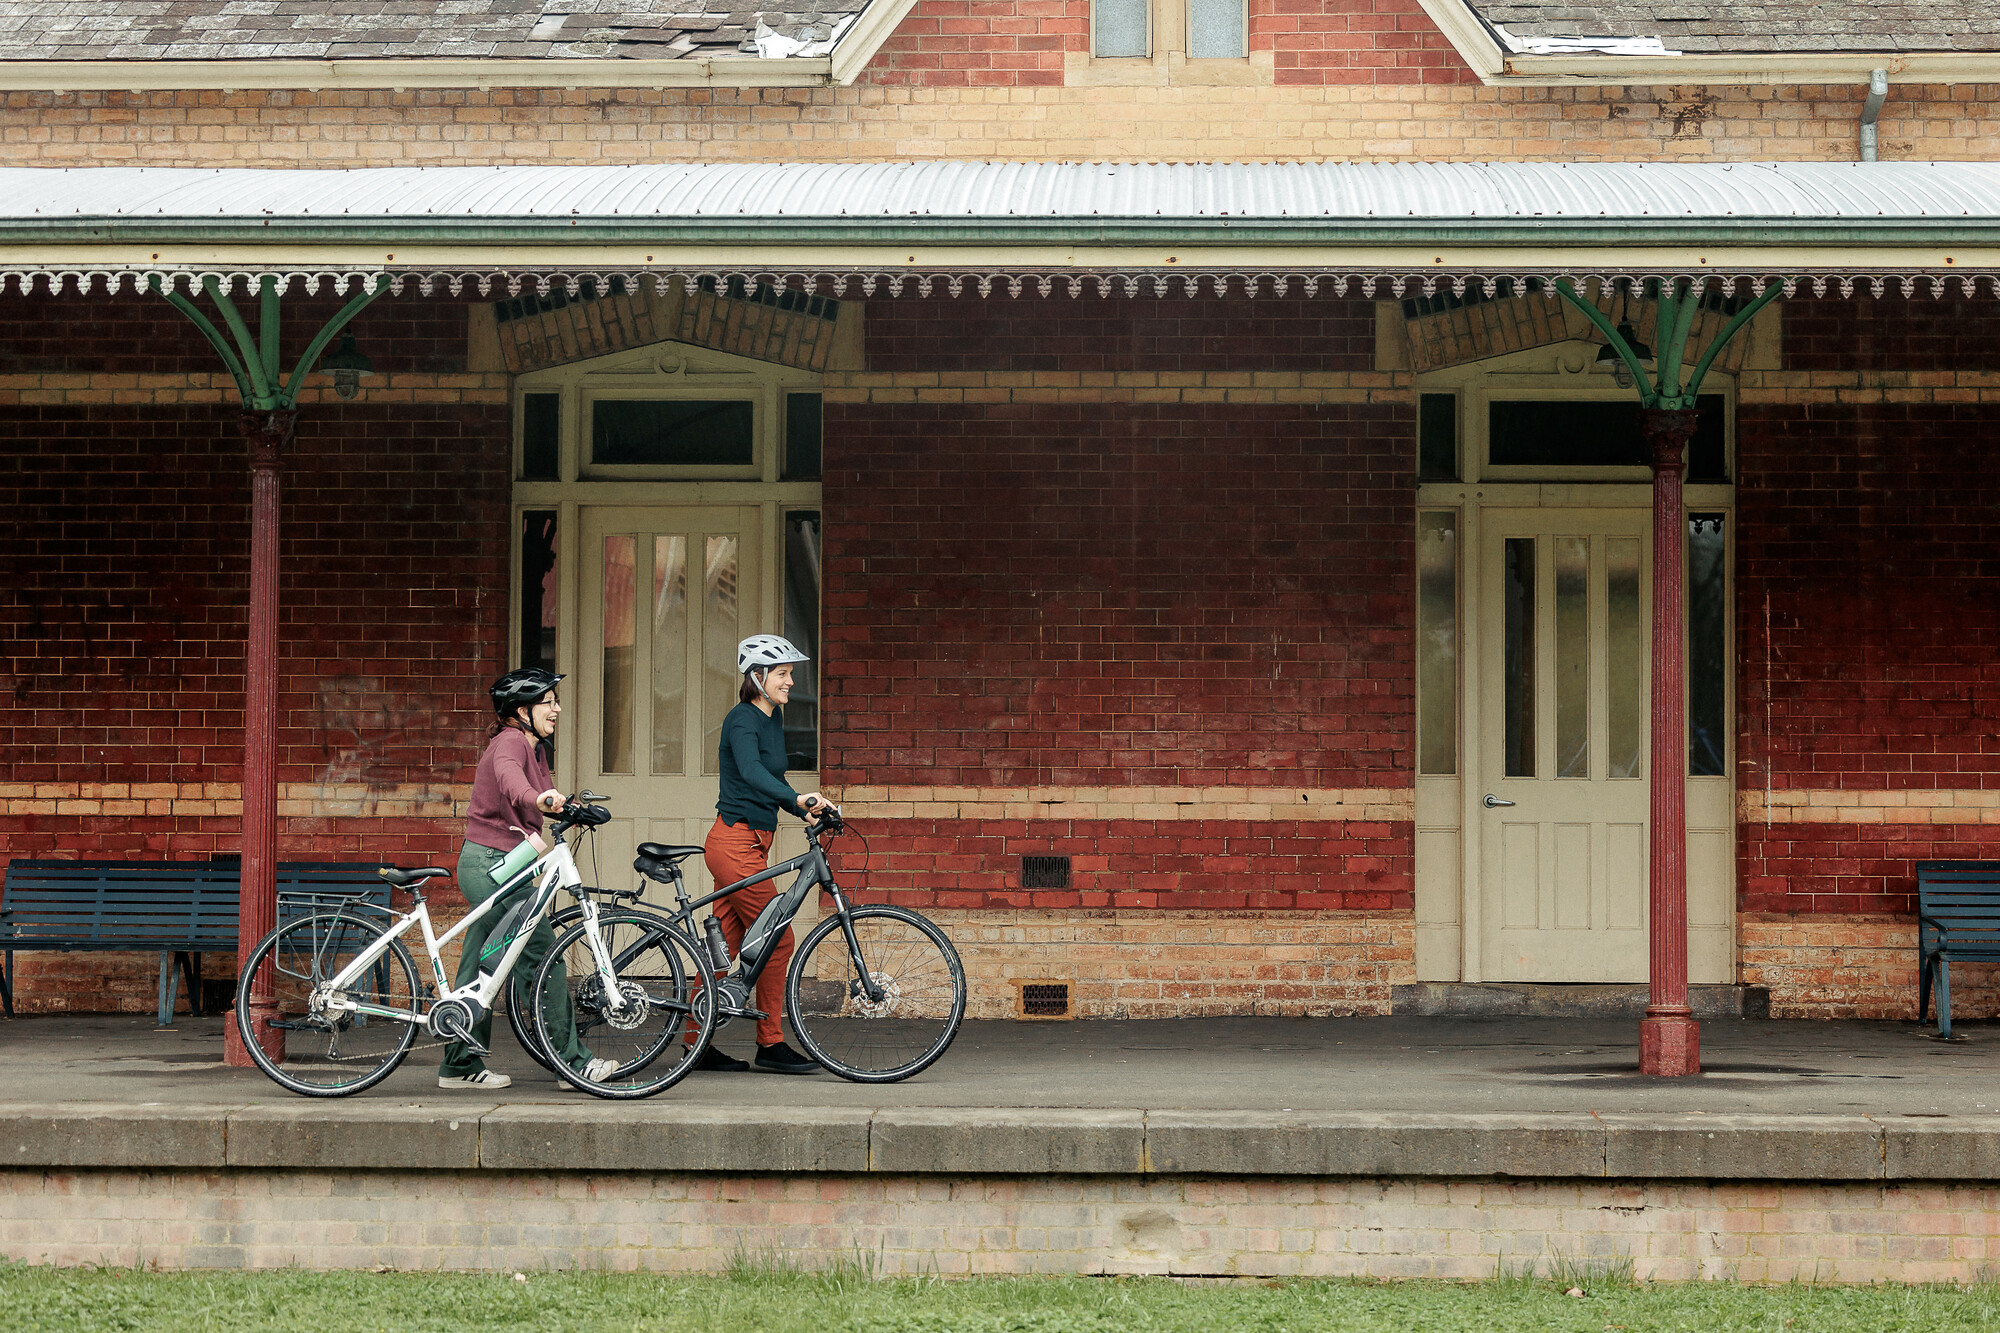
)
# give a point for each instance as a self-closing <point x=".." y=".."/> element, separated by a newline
<point x="649" y="1023"/>
<point x="327" y="1049"/>
<point x="917" y="1000"/>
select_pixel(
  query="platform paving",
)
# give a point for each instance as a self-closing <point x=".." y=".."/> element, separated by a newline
<point x="1379" y="1097"/>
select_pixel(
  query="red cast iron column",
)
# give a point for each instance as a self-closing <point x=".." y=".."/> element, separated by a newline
<point x="1669" y="1038"/>
<point x="267" y="433"/>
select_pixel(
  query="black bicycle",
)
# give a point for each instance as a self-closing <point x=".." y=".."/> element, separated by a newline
<point x="875" y="993"/>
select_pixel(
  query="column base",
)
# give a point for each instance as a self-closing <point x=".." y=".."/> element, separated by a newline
<point x="1669" y="1046"/>
<point x="234" y="1053"/>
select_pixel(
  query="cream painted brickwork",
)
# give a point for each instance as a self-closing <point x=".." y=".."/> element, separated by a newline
<point x="1085" y="386"/>
<point x="1868" y="386"/>
<point x="199" y="799"/>
<point x="1365" y="803"/>
<point x="874" y="123"/>
<point x="217" y="387"/>
<point x="1827" y="966"/>
<point x="1157" y="964"/>
<point x="1949" y="806"/>
<point x="955" y="1225"/>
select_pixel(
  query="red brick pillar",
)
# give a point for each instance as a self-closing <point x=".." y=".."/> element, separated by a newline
<point x="267" y="433"/>
<point x="1669" y="1038"/>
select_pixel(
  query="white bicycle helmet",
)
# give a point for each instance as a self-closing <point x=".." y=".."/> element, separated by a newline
<point x="760" y="652"/>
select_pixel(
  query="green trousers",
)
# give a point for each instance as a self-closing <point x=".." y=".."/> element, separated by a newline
<point x="476" y="882"/>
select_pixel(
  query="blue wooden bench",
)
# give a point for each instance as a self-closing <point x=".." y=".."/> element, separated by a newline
<point x="1958" y="920"/>
<point x="179" y="909"/>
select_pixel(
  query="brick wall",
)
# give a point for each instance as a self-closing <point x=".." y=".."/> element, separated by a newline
<point x="1028" y="43"/>
<point x="1342" y="122"/>
<point x="125" y="578"/>
<point x="1072" y="590"/>
<point x="1355" y="41"/>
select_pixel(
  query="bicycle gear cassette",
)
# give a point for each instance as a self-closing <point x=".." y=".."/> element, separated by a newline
<point x="868" y="1008"/>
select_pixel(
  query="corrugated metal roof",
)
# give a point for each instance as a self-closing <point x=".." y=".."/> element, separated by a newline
<point x="999" y="192"/>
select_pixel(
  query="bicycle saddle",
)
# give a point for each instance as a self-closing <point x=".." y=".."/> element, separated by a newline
<point x="661" y="851"/>
<point x="405" y="878"/>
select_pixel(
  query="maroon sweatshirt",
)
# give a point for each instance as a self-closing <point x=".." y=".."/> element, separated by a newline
<point x="510" y="778"/>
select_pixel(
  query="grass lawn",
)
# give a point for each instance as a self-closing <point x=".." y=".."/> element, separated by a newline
<point x="848" y="1301"/>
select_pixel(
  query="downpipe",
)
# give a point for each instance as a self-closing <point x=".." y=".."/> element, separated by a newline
<point x="1878" y="90"/>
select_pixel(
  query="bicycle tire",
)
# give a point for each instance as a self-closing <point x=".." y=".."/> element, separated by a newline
<point x="320" y="945"/>
<point x="517" y="998"/>
<point x="910" y="1029"/>
<point x="666" y="983"/>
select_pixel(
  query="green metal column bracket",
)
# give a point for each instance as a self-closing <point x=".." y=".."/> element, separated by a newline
<point x="1680" y="305"/>
<point x="255" y="359"/>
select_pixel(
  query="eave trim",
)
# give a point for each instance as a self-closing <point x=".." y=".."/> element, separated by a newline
<point x="63" y="76"/>
<point x="865" y="36"/>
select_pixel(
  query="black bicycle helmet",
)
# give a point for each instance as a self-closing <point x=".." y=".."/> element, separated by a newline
<point x="520" y="688"/>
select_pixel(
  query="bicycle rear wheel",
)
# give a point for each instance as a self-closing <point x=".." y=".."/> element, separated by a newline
<point x="330" y="1051"/>
<point x="922" y="990"/>
<point x="655" y="1022"/>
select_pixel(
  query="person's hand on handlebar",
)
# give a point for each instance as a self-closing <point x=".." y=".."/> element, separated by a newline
<point x="551" y="802"/>
<point x="816" y="807"/>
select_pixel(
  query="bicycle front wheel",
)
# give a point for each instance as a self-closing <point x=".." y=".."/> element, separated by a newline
<point x="329" y="1050"/>
<point x="918" y="981"/>
<point x="654" y="1023"/>
<point x="520" y="1015"/>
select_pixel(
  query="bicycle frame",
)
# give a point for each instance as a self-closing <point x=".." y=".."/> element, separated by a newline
<point x="555" y="870"/>
<point x="778" y="913"/>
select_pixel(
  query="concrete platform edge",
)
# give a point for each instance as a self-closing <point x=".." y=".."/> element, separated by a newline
<point x="663" y="1137"/>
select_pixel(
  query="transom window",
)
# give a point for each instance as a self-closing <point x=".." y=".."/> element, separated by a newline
<point x="1138" y="29"/>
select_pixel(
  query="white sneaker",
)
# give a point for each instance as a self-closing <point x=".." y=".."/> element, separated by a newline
<point x="484" y="1078"/>
<point x="595" y="1072"/>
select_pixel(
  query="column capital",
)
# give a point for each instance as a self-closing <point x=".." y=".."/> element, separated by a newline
<point x="267" y="434"/>
<point x="1666" y="431"/>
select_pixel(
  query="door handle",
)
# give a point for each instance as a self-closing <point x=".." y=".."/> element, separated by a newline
<point x="1493" y="802"/>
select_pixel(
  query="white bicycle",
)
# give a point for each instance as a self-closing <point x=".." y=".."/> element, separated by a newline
<point x="348" y="1004"/>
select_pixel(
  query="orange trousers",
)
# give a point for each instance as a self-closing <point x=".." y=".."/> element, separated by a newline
<point x="733" y="852"/>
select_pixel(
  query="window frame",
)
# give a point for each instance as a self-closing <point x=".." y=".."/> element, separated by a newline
<point x="1151" y="45"/>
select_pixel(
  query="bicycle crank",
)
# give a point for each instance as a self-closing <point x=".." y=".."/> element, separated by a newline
<point x="454" y="1021"/>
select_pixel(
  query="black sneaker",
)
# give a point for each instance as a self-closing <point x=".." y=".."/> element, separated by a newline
<point x="782" y="1059"/>
<point x="714" y="1061"/>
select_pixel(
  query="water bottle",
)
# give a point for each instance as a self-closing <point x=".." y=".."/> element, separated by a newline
<point x="515" y="862"/>
<point x="718" y="948"/>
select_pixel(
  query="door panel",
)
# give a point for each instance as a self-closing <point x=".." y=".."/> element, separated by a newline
<point x="1563" y="607"/>
<point x="666" y="594"/>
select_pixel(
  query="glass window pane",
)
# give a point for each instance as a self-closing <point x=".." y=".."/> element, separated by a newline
<point x="619" y="553"/>
<point x="719" y="637"/>
<point x="540" y="424"/>
<point x="802" y="628"/>
<point x="1708" y="639"/>
<point x="1437" y="437"/>
<point x="1583" y="434"/>
<point x="1572" y="557"/>
<point x="803" y="432"/>
<point x="538" y="589"/>
<point x="1625" y="647"/>
<point x="670" y="628"/>
<point x="662" y="433"/>
<point x="1215" y="29"/>
<point x="1119" y="28"/>
<point x="1519" y="687"/>
<point x="1437" y="642"/>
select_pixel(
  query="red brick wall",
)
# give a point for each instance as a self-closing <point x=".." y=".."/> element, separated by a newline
<point x="1146" y="333"/>
<point x="1022" y="43"/>
<point x="126" y="572"/>
<point x="1868" y="599"/>
<point x="1892" y="333"/>
<point x="1355" y="41"/>
<point x="1114" y="594"/>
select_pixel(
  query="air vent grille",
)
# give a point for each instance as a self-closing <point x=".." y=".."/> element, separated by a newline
<point x="1045" y="872"/>
<point x="1042" y="999"/>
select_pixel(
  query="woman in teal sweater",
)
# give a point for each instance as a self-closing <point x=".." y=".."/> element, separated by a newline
<point x="753" y="790"/>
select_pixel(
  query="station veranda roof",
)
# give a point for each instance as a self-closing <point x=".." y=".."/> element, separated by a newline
<point x="1372" y="229"/>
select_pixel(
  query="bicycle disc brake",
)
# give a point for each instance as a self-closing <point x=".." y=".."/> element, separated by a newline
<point x="868" y="1008"/>
<point x="631" y="1009"/>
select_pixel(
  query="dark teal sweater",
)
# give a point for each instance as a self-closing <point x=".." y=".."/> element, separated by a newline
<point x="752" y="759"/>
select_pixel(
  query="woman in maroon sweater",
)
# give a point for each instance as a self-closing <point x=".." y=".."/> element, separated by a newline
<point x="510" y="793"/>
